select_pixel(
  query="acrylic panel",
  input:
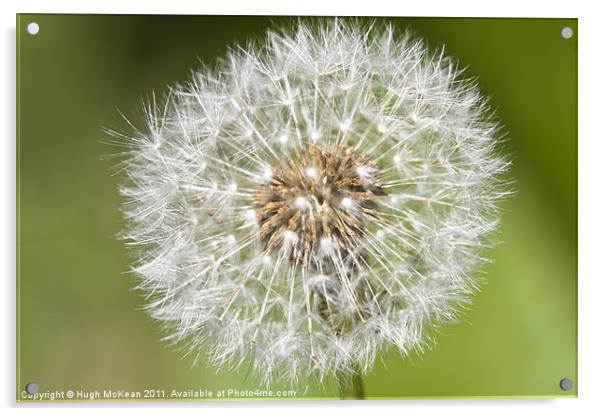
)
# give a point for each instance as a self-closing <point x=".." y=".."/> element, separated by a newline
<point x="290" y="208"/>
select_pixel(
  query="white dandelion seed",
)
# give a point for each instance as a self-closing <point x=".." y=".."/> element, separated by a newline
<point x="314" y="201"/>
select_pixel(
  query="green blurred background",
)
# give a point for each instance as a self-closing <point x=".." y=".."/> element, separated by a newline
<point x="79" y="321"/>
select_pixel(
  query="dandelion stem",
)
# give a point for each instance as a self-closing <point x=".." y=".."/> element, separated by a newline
<point x="349" y="381"/>
<point x="350" y="385"/>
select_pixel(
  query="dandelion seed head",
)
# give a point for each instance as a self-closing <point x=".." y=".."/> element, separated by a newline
<point x="314" y="201"/>
<point x="295" y="198"/>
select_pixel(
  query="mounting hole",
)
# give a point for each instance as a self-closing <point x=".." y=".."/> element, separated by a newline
<point x="32" y="388"/>
<point x="566" y="32"/>
<point x="566" y="384"/>
<point x="33" y="28"/>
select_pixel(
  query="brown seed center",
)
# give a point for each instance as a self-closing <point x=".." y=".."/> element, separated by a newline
<point x="315" y="205"/>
